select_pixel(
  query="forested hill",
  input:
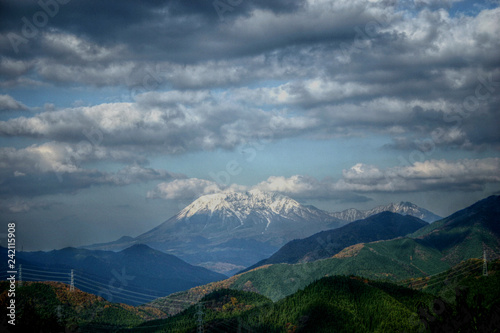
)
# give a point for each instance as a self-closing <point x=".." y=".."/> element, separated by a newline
<point x="382" y="226"/>
<point x="459" y="301"/>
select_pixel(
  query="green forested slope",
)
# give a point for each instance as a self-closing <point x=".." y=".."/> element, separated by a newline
<point x="462" y="236"/>
<point x="52" y="307"/>
<point x="354" y="304"/>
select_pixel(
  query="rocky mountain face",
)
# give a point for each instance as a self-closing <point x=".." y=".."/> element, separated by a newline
<point x="403" y="208"/>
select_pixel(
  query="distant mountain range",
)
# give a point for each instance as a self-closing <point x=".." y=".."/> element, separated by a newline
<point x="133" y="276"/>
<point x="312" y="291"/>
<point x="403" y="208"/>
<point x="430" y="250"/>
<point x="229" y="231"/>
<point x="381" y="226"/>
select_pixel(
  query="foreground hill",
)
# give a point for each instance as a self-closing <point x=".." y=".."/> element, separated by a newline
<point x="133" y="276"/>
<point x="459" y="300"/>
<point x="382" y="226"/>
<point x="333" y="304"/>
<point x="52" y="307"/>
<point x="352" y="304"/>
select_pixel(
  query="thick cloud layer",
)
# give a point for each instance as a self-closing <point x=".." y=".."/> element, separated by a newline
<point x="117" y="94"/>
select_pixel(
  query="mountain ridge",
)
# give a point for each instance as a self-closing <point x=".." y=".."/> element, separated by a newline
<point x="472" y="232"/>
<point x="204" y="232"/>
<point x="381" y="226"/>
<point x="464" y="235"/>
<point x="136" y="268"/>
<point x="403" y="208"/>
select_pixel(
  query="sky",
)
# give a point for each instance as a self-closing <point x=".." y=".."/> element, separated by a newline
<point x="114" y="115"/>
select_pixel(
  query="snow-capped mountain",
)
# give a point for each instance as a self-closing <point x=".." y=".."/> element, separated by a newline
<point x="403" y="208"/>
<point x="233" y="228"/>
<point x="264" y="217"/>
<point x="350" y="215"/>
<point x="237" y="209"/>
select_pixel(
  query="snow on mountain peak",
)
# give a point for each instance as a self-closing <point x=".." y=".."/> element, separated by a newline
<point x="241" y="203"/>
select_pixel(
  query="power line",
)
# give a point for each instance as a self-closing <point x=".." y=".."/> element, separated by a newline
<point x="43" y="274"/>
<point x="132" y="298"/>
<point x="47" y="268"/>
<point x="52" y="272"/>
<point x="45" y="277"/>
<point x="453" y="274"/>
<point x="445" y="275"/>
<point x="66" y="277"/>
<point x="44" y="271"/>
<point x="97" y="277"/>
<point x="429" y="277"/>
<point x="113" y="289"/>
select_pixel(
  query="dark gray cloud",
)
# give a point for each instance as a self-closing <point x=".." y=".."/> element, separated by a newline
<point x="283" y="40"/>
<point x="46" y="183"/>
<point x="159" y="81"/>
<point x="160" y="29"/>
<point x="53" y="168"/>
<point x="337" y="69"/>
<point x="170" y="122"/>
<point x="95" y="35"/>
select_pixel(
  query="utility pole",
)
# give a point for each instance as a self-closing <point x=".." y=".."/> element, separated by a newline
<point x="20" y="278"/>
<point x="485" y="264"/>
<point x="72" y="284"/>
<point x="199" y="314"/>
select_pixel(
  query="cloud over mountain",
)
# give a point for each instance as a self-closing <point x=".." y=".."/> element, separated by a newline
<point x="431" y="175"/>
